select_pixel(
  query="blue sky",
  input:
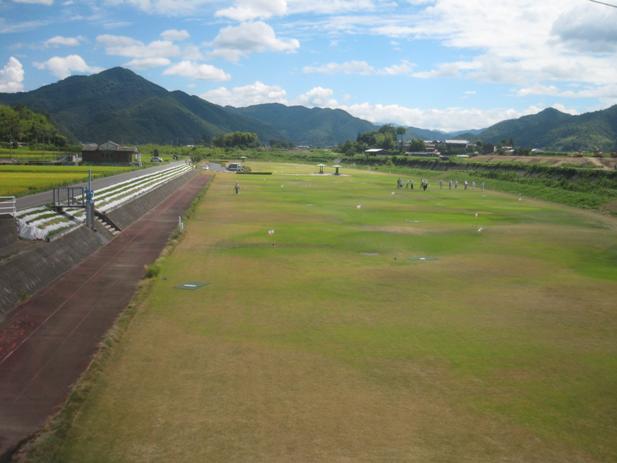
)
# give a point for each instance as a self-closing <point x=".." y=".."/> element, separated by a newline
<point x="440" y="64"/>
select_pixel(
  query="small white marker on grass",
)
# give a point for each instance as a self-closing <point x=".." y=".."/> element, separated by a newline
<point x="480" y="230"/>
<point x="359" y="206"/>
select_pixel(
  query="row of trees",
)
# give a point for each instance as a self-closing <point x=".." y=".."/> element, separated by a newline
<point x="387" y="137"/>
<point x="21" y="125"/>
<point x="236" y="140"/>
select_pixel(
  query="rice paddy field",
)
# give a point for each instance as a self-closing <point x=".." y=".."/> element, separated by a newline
<point x="342" y="320"/>
<point x="23" y="180"/>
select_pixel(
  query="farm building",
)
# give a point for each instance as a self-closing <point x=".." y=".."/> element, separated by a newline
<point x="108" y="153"/>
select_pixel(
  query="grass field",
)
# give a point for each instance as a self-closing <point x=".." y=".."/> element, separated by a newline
<point x="446" y="326"/>
<point x="23" y="180"/>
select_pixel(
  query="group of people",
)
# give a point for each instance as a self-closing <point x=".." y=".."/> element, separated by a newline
<point x="402" y="184"/>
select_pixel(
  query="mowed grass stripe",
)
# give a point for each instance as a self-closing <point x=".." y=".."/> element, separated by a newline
<point x="328" y="341"/>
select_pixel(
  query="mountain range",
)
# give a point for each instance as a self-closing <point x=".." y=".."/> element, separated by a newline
<point x="119" y="105"/>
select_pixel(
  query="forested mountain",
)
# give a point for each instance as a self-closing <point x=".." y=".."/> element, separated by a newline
<point x="553" y="130"/>
<point x="119" y="105"/>
<point x="307" y="126"/>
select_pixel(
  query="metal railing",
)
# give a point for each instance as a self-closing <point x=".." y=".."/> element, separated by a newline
<point x="7" y="205"/>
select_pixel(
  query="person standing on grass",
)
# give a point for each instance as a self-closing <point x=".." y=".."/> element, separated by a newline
<point x="440" y="184"/>
<point x="450" y="184"/>
<point x="466" y="184"/>
<point x="237" y="188"/>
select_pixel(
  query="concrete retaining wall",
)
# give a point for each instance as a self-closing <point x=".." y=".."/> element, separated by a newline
<point x="8" y="230"/>
<point x="36" y="264"/>
<point x="24" y="273"/>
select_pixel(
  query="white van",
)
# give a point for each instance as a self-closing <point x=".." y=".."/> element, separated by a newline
<point x="234" y="167"/>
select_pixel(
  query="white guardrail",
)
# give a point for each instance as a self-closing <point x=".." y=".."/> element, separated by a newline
<point x="7" y="205"/>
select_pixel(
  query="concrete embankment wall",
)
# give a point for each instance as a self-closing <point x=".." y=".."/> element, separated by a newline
<point x="8" y="230"/>
<point x="34" y="265"/>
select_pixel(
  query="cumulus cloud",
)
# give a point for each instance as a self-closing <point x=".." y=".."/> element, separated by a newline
<point x="12" y="76"/>
<point x="517" y="42"/>
<point x="447" y="119"/>
<point x="246" y="10"/>
<point x="145" y="63"/>
<point x="235" y="42"/>
<point x="61" y="41"/>
<point x="164" y="7"/>
<point x="335" y="6"/>
<point x="246" y="95"/>
<point x="196" y="71"/>
<point x="588" y="29"/>
<point x="359" y="68"/>
<point x="36" y="2"/>
<point x="119" y="45"/>
<point x="175" y="35"/>
<point x="62" y="67"/>
<point x="318" y="97"/>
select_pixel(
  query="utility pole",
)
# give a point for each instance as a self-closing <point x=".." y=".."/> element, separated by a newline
<point x="90" y="202"/>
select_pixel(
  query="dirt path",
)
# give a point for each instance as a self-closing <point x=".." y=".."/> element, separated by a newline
<point x="50" y="340"/>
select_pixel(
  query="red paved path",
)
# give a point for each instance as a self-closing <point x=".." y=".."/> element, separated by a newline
<point x="54" y="335"/>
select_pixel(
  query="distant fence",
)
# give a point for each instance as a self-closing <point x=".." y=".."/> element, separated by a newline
<point x="7" y="205"/>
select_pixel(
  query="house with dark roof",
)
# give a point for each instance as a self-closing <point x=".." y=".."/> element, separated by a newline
<point x="108" y="153"/>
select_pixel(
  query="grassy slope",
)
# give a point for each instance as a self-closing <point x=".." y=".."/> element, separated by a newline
<point x="503" y="349"/>
<point x="23" y="180"/>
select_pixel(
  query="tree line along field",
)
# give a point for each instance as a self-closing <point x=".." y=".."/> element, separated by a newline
<point x="344" y="320"/>
<point x="23" y="180"/>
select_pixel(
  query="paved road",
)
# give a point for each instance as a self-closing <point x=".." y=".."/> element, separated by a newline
<point x="49" y="341"/>
<point x="46" y="197"/>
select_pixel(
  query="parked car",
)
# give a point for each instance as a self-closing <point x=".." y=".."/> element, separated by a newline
<point x="234" y="167"/>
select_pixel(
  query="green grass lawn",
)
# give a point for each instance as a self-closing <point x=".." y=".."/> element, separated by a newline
<point x="24" y="154"/>
<point x="332" y="340"/>
<point x="23" y="180"/>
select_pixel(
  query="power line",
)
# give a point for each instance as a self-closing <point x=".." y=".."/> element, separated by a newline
<point x="612" y="5"/>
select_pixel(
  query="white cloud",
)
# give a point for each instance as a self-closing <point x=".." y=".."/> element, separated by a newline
<point x="9" y="27"/>
<point x="318" y="97"/>
<point x="246" y="10"/>
<point x="246" y="95"/>
<point x="334" y="6"/>
<point x="36" y="2"/>
<point x="12" y="76"/>
<point x="119" y="45"/>
<point x="175" y="35"/>
<point x="196" y="71"/>
<point x="144" y="63"/>
<point x="235" y="42"/>
<point x="519" y="42"/>
<point x="164" y="7"/>
<point x="447" y="119"/>
<point x="65" y="66"/>
<point x="360" y="68"/>
<point x="61" y="41"/>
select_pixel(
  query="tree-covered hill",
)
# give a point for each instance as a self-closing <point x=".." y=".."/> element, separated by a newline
<point x="308" y="126"/>
<point x="22" y="125"/>
<point x="556" y="131"/>
<point x="118" y="104"/>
